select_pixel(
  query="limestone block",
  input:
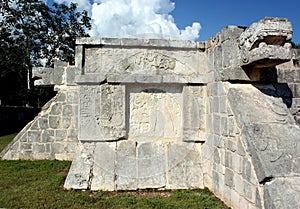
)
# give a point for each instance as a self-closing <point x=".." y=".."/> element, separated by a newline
<point x="229" y="178"/>
<point x="238" y="183"/>
<point x="223" y="107"/>
<point x="25" y="155"/>
<point x="103" y="60"/>
<point x="58" y="74"/>
<point x="80" y="172"/>
<point x="27" y="146"/>
<point x="291" y="76"/>
<point x="218" y="184"/>
<point x="231" y="145"/>
<point x="258" y="198"/>
<point x="34" y="136"/>
<point x="151" y="165"/>
<point x="34" y="125"/>
<point x="240" y="148"/>
<point x="88" y="127"/>
<point x="95" y="79"/>
<point x="61" y="97"/>
<point x="249" y="191"/>
<point x="126" y="166"/>
<point x="71" y="147"/>
<point x="67" y="110"/>
<point x="282" y="193"/>
<point x="130" y="78"/>
<point x="194" y="117"/>
<point x="44" y="76"/>
<point x="218" y="58"/>
<point x="56" y="109"/>
<point x="228" y="159"/>
<point x="49" y="76"/>
<point x="47" y="135"/>
<point x="54" y="122"/>
<point x="72" y="134"/>
<point x="79" y="55"/>
<point x="43" y="123"/>
<point x="231" y="33"/>
<point x="216" y="156"/>
<point x="66" y="122"/>
<point x="23" y="137"/>
<point x="72" y="96"/>
<point x="57" y="148"/>
<point x="219" y="168"/>
<point x="39" y="148"/>
<point x="230" y="54"/>
<point x="218" y="141"/>
<point x="71" y="73"/>
<point x="104" y="166"/>
<point x="216" y="124"/>
<point x="184" y="166"/>
<point x="224" y="126"/>
<point x="238" y="162"/>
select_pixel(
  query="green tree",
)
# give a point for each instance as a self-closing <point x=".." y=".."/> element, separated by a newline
<point x="34" y="34"/>
<point x="295" y="46"/>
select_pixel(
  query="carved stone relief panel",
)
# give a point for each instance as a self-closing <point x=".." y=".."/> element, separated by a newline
<point x="148" y="62"/>
<point x="194" y="113"/>
<point x="103" y="60"/>
<point x="88" y="128"/>
<point x="102" y="113"/>
<point x="155" y="112"/>
<point x="145" y="61"/>
<point x="110" y="112"/>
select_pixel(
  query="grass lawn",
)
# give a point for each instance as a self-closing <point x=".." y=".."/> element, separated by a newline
<point x="39" y="184"/>
<point x="4" y="140"/>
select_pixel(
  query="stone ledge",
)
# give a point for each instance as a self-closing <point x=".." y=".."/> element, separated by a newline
<point x="130" y="42"/>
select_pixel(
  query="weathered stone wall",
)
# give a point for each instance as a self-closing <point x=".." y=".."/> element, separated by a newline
<point x="131" y="165"/>
<point x="289" y="73"/>
<point x="251" y="127"/>
<point x="145" y="119"/>
<point x="52" y="134"/>
<point x="229" y="171"/>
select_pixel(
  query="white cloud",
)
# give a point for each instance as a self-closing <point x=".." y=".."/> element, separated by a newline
<point x="82" y="4"/>
<point x="135" y="18"/>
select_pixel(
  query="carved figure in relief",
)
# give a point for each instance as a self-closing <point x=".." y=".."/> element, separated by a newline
<point x="155" y="114"/>
<point x="110" y="114"/>
<point x="150" y="61"/>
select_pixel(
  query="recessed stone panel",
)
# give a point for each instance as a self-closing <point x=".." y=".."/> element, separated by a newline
<point x="155" y="113"/>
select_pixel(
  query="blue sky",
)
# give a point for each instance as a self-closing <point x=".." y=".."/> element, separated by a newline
<point x="133" y="18"/>
<point x="213" y="15"/>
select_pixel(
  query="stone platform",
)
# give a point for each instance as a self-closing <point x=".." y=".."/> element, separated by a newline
<point x="169" y="114"/>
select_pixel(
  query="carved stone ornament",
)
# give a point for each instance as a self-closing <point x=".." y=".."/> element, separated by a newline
<point x="152" y="62"/>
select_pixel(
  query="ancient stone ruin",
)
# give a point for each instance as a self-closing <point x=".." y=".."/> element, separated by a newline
<point x="168" y="114"/>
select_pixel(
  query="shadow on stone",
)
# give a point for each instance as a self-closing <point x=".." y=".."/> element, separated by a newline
<point x="280" y="90"/>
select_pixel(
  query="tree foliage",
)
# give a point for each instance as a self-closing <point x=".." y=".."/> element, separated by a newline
<point x="34" y="34"/>
<point x="295" y="46"/>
